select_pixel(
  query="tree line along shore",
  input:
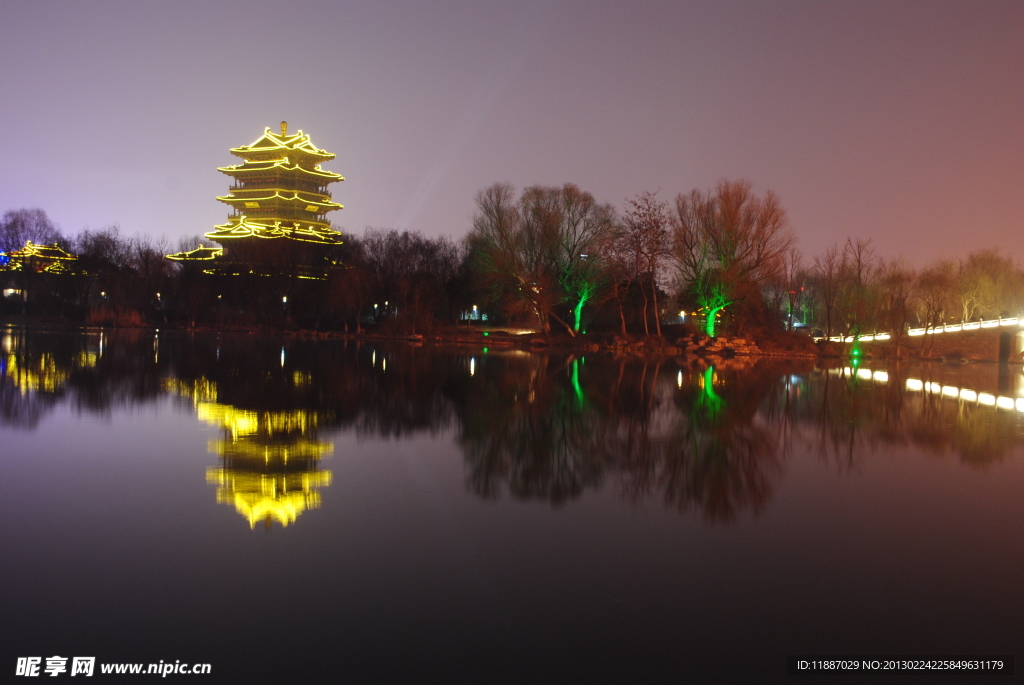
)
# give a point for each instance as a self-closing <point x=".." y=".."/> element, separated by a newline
<point x="550" y="264"/>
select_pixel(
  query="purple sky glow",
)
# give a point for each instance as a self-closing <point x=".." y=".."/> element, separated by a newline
<point x="896" y="121"/>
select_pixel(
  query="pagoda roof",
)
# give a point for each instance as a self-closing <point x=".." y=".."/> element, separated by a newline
<point x="282" y="165"/>
<point x="201" y="253"/>
<point x="294" y="199"/>
<point x="247" y="228"/>
<point x="43" y="251"/>
<point x="271" y="142"/>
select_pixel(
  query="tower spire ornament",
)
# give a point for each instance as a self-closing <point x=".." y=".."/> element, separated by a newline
<point x="279" y="201"/>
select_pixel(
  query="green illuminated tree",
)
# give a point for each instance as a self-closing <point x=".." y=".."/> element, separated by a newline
<point x="712" y="296"/>
<point x="544" y="249"/>
<point x="578" y="224"/>
<point x="727" y="244"/>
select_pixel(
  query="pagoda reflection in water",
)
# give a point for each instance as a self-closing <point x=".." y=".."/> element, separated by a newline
<point x="269" y="460"/>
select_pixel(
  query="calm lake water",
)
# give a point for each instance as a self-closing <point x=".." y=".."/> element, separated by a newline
<point x="289" y="511"/>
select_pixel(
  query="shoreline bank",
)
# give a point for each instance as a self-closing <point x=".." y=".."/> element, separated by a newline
<point x="690" y="345"/>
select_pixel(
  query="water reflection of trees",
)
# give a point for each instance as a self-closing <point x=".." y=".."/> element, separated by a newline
<point x="706" y="439"/>
<point x="721" y="456"/>
<point x="525" y="425"/>
<point x="847" y="413"/>
<point x="550" y="428"/>
<point x="90" y="370"/>
<point x="542" y="427"/>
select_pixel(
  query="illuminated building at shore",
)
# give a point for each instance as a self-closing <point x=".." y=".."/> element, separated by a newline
<point x="43" y="274"/>
<point x="34" y="258"/>
<point x="279" y="201"/>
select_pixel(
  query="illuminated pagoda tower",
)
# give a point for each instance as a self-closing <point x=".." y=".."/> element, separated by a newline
<point x="279" y="201"/>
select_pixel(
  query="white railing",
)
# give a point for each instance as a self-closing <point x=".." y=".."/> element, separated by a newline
<point x="944" y="328"/>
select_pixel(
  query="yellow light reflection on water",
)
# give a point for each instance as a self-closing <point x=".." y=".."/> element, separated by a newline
<point x="43" y="374"/>
<point x="269" y="468"/>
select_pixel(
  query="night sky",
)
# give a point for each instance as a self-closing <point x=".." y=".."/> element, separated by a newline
<point x="899" y="122"/>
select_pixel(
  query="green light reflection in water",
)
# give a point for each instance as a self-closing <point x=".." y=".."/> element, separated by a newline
<point x="710" y="401"/>
<point x="576" y="383"/>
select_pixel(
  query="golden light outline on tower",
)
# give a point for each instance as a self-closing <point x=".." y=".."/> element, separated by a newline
<point x="201" y="253"/>
<point x="299" y="142"/>
<point x="247" y="228"/>
<point x="253" y="202"/>
<point x="279" y="194"/>
<point x="283" y="165"/>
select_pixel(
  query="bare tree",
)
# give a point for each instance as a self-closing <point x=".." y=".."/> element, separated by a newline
<point x="829" y="269"/>
<point x="859" y="296"/>
<point x="693" y="224"/>
<point x="508" y="258"/>
<point x="622" y="261"/>
<point x="792" y="277"/>
<point x="644" y="235"/>
<point x="18" y="226"/>
<point x="787" y="287"/>
<point x="988" y="284"/>
<point x="936" y="295"/>
<point x="568" y="226"/>
<point x="410" y="272"/>
<point x="897" y="285"/>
